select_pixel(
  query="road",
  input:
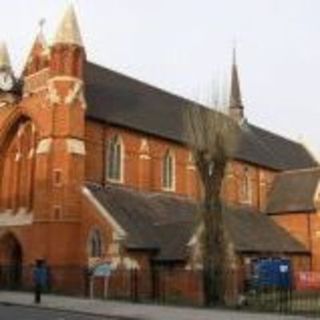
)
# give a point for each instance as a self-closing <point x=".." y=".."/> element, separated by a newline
<point x="12" y="312"/>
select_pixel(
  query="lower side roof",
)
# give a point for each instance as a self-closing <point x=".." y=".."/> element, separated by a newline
<point x="166" y="223"/>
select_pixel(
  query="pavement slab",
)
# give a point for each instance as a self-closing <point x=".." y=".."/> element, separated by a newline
<point x="133" y="311"/>
<point x="14" y="312"/>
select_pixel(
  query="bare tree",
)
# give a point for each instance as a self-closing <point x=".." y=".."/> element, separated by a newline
<point x="212" y="138"/>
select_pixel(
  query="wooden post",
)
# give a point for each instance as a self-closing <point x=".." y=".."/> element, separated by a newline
<point x="91" y="287"/>
<point x="106" y="287"/>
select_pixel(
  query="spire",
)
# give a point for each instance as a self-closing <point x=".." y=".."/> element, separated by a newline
<point x="235" y="102"/>
<point x="235" y="94"/>
<point x="4" y="57"/>
<point x="40" y="45"/>
<point x="39" y="53"/>
<point x="68" y="31"/>
<point x="40" y="41"/>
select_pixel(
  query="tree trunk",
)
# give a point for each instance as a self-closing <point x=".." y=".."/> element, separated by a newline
<point x="213" y="243"/>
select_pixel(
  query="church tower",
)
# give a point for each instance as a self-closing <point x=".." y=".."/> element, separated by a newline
<point x="236" y="109"/>
<point x="61" y="149"/>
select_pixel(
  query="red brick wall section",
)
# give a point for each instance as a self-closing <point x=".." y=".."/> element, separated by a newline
<point x="315" y="241"/>
<point x="305" y="228"/>
<point x="91" y="218"/>
<point x="143" y="168"/>
<point x="56" y="208"/>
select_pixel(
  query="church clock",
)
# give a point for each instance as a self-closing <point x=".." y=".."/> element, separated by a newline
<point x="9" y="87"/>
<point x="7" y="81"/>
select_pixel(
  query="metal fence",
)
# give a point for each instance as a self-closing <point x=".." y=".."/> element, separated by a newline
<point x="165" y="286"/>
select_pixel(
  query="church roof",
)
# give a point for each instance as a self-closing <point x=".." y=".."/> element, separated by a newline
<point x="294" y="191"/>
<point x="120" y="100"/>
<point x="166" y="223"/>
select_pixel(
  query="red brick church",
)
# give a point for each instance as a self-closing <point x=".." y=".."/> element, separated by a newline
<point x="95" y="166"/>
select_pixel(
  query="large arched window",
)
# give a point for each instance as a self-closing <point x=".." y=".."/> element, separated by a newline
<point x="115" y="152"/>
<point x="17" y="166"/>
<point x="95" y="244"/>
<point x="168" y="171"/>
<point x="246" y="187"/>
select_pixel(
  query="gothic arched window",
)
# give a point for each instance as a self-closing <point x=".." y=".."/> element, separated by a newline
<point x="17" y="166"/>
<point x="115" y="152"/>
<point x="95" y="244"/>
<point x="168" y="171"/>
<point x="246" y="188"/>
<point x="191" y="163"/>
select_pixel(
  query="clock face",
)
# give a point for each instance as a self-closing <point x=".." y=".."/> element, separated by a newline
<point x="6" y="81"/>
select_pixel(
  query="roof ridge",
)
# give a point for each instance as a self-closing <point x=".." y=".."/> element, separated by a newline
<point x="134" y="189"/>
<point x="300" y="170"/>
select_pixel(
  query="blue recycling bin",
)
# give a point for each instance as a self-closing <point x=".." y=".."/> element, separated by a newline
<point x="272" y="273"/>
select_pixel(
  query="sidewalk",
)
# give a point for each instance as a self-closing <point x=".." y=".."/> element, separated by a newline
<point x="124" y="310"/>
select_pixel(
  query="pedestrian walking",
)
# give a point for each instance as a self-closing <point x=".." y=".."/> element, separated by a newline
<point x="40" y="279"/>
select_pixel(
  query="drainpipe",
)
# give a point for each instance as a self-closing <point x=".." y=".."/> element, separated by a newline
<point x="310" y="239"/>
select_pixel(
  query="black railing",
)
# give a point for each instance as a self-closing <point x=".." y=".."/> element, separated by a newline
<point x="165" y="286"/>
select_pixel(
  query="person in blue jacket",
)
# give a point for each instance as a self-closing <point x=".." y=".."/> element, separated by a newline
<point x="40" y="279"/>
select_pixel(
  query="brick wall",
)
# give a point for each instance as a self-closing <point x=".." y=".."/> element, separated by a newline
<point x="305" y="228"/>
<point x="143" y="166"/>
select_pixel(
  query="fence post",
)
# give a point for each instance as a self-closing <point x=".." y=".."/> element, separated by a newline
<point x="105" y="287"/>
<point x="134" y="285"/>
<point x="154" y="284"/>
<point x="91" y="287"/>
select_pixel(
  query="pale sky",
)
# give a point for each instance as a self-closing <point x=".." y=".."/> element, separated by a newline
<point x="185" y="46"/>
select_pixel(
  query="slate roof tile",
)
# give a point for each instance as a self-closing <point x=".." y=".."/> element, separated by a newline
<point x="166" y="223"/>
<point x="294" y="191"/>
<point x="120" y="100"/>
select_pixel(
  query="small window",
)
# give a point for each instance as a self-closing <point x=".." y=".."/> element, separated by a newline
<point x="246" y="188"/>
<point x="168" y="171"/>
<point x="57" y="177"/>
<point x="95" y="244"/>
<point x="115" y="159"/>
<point x="57" y="212"/>
<point x="191" y="164"/>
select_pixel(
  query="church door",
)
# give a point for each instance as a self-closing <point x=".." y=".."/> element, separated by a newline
<point x="10" y="262"/>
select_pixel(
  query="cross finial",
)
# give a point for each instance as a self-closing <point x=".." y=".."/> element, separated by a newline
<point x="42" y="22"/>
<point x="234" y="52"/>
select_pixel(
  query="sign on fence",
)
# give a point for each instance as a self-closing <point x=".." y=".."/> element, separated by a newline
<point x="307" y="280"/>
<point x="102" y="270"/>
